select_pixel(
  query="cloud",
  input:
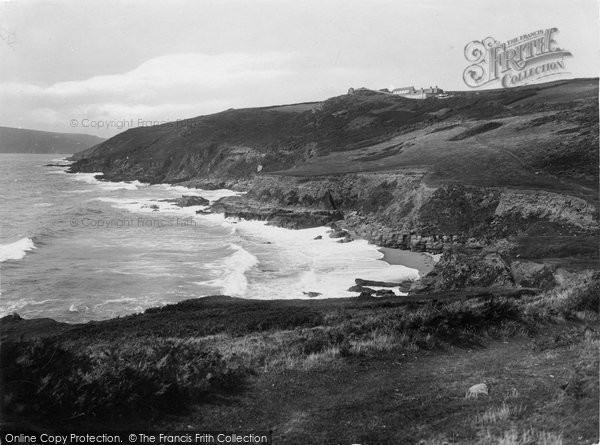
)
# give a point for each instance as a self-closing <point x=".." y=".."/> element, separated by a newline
<point x="180" y="86"/>
<point x="177" y="71"/>
<point x="166" y="87"/>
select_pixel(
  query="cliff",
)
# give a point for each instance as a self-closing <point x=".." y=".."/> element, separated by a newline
<point x="514" y="170"/>
<point x="18" y="140"/>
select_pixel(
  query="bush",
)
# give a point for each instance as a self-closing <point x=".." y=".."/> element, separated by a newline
<point x="579" y="293"/>
<point x="585" y="296"/>
<point x="45" y="379"/>
<point x="459" y="322"/>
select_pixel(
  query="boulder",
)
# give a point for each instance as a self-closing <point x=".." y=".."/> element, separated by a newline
<point x="187" y="201"/>
<point x="346" y="239"/>
<point x="338" y="233"/>
<point x="480" y="389"/>
<point x="364" y="295"/>
<point x="318" y="237"/>
<point x="361" y="282"/>
<point x="385" y="293"/>
<point x="357" y="288"/>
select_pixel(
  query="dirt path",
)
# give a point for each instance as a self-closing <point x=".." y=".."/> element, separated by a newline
<point x="402" y="398"/>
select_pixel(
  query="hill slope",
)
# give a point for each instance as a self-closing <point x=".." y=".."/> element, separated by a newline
<point x="543" y="136"/>
<point x="18" y="140"/>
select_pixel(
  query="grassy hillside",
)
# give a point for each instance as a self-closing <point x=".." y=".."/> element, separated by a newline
<point x="542" y="137"/>
<point x="18" y="140"/>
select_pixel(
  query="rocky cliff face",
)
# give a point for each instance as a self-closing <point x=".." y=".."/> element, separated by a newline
<point x="401" y="210"/>
<point x="489" y="237"/>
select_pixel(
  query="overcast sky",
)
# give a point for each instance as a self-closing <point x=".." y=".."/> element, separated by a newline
<point x="64" y="61"/>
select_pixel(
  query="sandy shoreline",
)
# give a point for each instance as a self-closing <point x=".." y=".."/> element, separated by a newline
<point x="423" y="262"/>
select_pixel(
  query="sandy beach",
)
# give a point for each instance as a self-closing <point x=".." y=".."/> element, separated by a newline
<point x="423" y="262"/>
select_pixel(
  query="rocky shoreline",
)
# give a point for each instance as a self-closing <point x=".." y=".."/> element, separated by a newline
<point x="453" y="258"/>
<point x="241" y="207"/>
<point x="491" y="259"/>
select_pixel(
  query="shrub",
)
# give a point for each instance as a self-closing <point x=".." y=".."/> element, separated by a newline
<point x="45" y="379"/>
<point x="579" y="293"/>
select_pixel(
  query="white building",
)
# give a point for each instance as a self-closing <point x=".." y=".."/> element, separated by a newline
<point x="412" y="93"/>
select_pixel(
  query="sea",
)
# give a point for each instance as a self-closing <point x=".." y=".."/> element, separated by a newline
<point x="75" y="248"/>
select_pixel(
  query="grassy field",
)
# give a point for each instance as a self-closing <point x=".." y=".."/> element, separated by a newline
<point x="372" y="371"/>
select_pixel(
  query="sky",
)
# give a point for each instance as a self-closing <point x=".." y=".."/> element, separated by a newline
<point x="100" y="67"/>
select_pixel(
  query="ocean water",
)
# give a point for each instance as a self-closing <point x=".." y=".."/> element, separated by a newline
<point x="76" y="249"/>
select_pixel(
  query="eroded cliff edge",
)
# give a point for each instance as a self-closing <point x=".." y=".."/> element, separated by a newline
<point x="503" y="182"/>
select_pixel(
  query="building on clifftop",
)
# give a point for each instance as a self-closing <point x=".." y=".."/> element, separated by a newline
<point x="412" y="93"/>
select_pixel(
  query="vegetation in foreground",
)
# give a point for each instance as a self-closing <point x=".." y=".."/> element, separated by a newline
<point x="211" y="362"/>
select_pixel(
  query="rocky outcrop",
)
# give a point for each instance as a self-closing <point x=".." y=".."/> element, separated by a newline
<point x="188" y="201"/>
<point x="553" y="207"/>
<point x="399" y="210"/>
<point x="291" y="218"/>
<point x="363" y="282"/>
<point x="363" y="286"/>
<point x="532" y="274"/>
<point x="463" y="268"/>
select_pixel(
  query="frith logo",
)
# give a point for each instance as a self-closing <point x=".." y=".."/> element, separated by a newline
<point x="519" y="61"/>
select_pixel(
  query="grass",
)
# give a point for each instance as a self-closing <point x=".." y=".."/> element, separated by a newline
<point x="531" y="436"/>
<point x="496" y="414"/>
<point x="483" y="128"/>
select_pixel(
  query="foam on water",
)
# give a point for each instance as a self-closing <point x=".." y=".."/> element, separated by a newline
<point x="152" y="206"/>
<point x="211" y="195"/>
<point x="90" y="178"/>
<point x="61" y="161"/>
<point x="234" y="269"/>
<point x="301" y="264"/>
<point x="16" y="250"/>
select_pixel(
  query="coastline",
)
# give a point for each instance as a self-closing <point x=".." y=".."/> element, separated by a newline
<point x="422" y="263"/>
